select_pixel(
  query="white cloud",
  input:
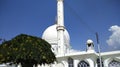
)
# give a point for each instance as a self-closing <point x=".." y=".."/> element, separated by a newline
<point x="114" y="39"/>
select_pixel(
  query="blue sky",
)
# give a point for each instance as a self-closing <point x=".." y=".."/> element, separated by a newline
<point x="82" y="19"/>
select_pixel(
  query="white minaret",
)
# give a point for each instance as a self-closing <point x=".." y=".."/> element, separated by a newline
<point x="60" y="27"/>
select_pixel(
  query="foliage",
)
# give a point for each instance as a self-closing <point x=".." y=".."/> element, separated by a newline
<point x="26" y="49"/>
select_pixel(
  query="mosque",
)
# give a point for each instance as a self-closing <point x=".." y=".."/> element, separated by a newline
<point x="59" y="39"/>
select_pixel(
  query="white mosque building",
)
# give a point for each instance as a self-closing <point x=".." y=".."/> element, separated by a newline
<point x="59" y="39"/>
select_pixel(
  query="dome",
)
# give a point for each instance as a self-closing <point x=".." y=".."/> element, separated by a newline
<point x="89" y="41"/>
<point x="50" y="35"/>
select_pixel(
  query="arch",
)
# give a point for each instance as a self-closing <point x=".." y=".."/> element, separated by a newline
<point x="114" y="63"/>
<point x="109" y="60"/>
<point x="83" y="64"/>
<point x="70" y="62"/>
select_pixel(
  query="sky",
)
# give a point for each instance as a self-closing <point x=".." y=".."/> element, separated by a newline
<point x="83" y="18"/>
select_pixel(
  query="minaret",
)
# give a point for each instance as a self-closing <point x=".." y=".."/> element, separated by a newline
<point x="60" y="27"/>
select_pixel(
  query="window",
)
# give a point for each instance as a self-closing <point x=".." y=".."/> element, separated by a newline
<point x="83" y="64"/>
<point x="70" y="62"/>
<point x="98" y="62"/>
<point x="114" y="63"/>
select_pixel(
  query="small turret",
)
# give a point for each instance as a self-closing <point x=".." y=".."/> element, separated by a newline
<point x="90" y="45"/>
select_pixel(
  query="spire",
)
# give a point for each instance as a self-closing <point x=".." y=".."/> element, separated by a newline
<point x="60" y="13"/>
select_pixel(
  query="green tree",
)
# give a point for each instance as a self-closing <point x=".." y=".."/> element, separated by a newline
<point x="27" y="50"/>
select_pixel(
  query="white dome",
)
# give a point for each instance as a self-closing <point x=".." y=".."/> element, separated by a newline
<point x="50" y="35"/>
<point x="89" y="41"/>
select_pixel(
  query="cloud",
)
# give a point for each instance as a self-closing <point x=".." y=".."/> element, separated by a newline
<point x="114" y="39"/>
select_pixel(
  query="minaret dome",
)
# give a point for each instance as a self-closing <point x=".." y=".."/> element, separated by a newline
<point x="90" y="45"/>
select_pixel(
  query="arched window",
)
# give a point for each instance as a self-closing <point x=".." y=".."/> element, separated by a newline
<point x="114" y="63"/>
<point x="98" y="62"/>
<point x="70" y="62"/>
<point x="83" y="64"/>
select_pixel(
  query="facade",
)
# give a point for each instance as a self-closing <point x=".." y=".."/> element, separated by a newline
<point x="59" y="39"/>
<point x="87" y="58"/>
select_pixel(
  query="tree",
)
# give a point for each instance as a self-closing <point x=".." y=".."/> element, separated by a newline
<point x="27" y="50"/>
